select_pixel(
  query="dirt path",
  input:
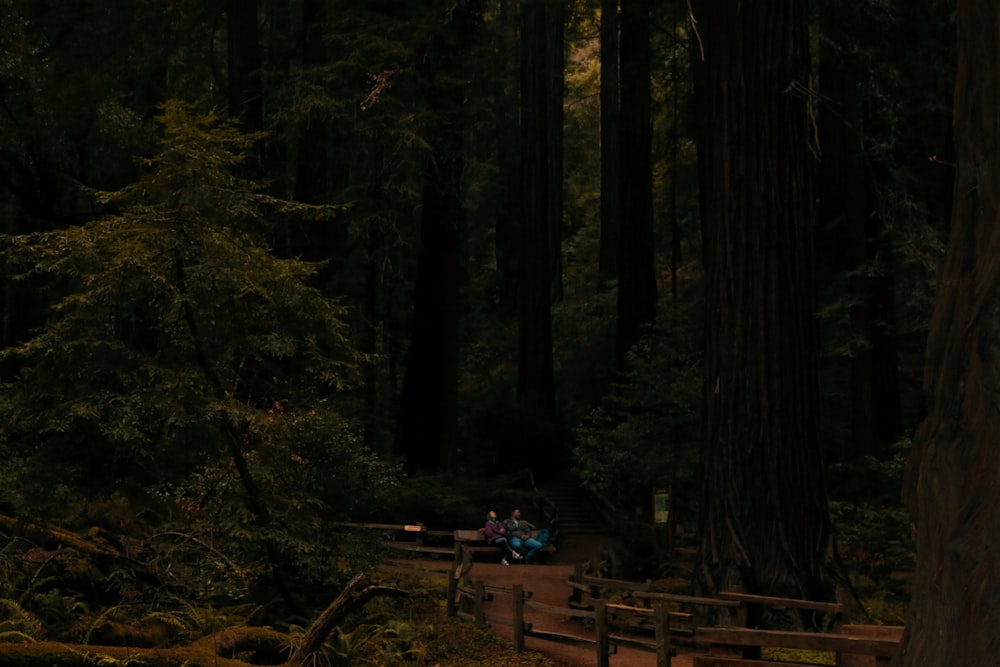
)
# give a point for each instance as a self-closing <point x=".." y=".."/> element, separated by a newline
<point x="547" y="584"/>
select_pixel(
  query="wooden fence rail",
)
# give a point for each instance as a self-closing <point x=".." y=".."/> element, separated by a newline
<point x="723" y="644"/>
<point x="601" y="616"/>
<point x="854" y="646"/>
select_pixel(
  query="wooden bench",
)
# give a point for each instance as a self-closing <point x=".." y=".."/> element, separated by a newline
<point x="474" y="542"/>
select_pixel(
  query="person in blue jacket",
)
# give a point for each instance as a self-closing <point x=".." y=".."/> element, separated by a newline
<point x="519" y="536"/>
<point x="496" y="534"/>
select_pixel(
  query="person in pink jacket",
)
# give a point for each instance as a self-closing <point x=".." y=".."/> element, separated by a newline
<point x="496" y="534"/>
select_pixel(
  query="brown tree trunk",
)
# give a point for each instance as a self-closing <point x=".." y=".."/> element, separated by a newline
<point x="853" y="235"/>
<point x="610" y="141"/>
<point x="508" y="210"/>
<point x="953" y="480"/>
<point x="245" y="100"/>
<point x="555" y="28"/>
<point x="535" y="381"/>
<point x="428" y="413"/>
<point x="636" y="268"/>
<point x="765" y="525"/>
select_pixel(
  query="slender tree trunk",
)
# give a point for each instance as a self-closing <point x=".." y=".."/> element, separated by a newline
<point x="508" y="210"/>
<point x="852" y="235"/>
<point x="312" y="177"/>
<point x="765" y="525"/>
<point x="636" y="267"/>
<point x="536" y="384"/>
<point x="953" y="481"/>
<point x="555" y="20"/>
<point x="428" y="415"/>
<point x="610" y="141"/>
<point x="245" y="101"/>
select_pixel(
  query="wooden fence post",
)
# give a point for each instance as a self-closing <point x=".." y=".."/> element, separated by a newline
<point x="661" y="618"/>
<point x="576" y="597"/>
<point x="477" y="610"/>
<point x="601" y="628"/>
<point x="452" y="607"/>
<point x="517" y="598"/>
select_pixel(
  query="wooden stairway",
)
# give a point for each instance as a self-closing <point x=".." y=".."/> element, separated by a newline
<point x="572" y="510"/>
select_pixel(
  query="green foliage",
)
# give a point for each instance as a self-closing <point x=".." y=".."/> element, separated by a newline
<point x="874" y="533"/>
<point x="18" y="624"/>
<point x="644" y="435"/>
<point x="445" y="501"/>
<point x="195" y="622"/>
<point x="187" y="370"/>
<point x="799" y="655"/>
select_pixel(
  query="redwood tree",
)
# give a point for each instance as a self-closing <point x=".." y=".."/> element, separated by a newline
<point x="636" y="272"/>
<point x="765" y="523"/>
<point x="610" y="148"/>
<point x="535" y="381"/>
<point x="953" y="482"/>
<point x="428" y="412"/>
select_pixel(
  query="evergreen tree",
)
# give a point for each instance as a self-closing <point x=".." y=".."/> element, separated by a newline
<point x="765" y="525"/>
<point x="181" y="364"/>
<point x="535" y="381"/>
<point x="636" y="258"/>
<point x="953" y="479"/>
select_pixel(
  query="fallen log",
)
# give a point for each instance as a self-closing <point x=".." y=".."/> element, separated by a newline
<point x="234" y="647"/>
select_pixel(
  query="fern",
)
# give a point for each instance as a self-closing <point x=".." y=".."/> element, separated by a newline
<point x="18" y="624"/>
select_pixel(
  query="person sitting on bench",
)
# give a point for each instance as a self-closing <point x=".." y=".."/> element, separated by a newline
<point x="519" y="536"/>
<point x="496" y="534"/>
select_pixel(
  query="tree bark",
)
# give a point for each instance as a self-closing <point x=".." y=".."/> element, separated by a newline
<point x="764" y="525"/>
<point x="852" y="235"/>
<point x="508" y="210"/>
<point x="348" y="600"/>
<point x="245" y="100"/>
<point x="610" y="141"/>
<point x="428" y="415"/>
<point x="535" y="382"/>
<point x="555" y="29"/>
<point x="953" y="478"/>
<point x="636" y="266"/>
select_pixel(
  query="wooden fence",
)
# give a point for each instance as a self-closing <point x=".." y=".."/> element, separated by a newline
<point x="661" y="615"/>
<point x="665" y="618"/>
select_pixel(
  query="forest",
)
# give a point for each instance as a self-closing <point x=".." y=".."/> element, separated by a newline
<point x="274" y="266"/>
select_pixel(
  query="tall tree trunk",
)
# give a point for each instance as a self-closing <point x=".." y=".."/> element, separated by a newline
<point x="535" y="382"/>
<point x="508" y="210"/>
<point x="555" y="20"/>
<point x="636" y="267"/>
<point x="953" y="478"/>
<point x="312" y="177"/>
<point x="853" y="235"/>
<point x="764" y="525"/>
<point x="245" y="100"/>
<point x="428" y="414"/>
<point x="610" y="141"/>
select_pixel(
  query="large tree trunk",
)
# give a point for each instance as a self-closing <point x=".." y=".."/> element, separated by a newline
<point x="636" y="267"/>
<point x="555" y="29"/>
<point x="953" y="481"/>
<point x="428" y="414"/>
<point x="508" y="210"/>
<point x="535" y="381"/>
<point x="765" y="525"/>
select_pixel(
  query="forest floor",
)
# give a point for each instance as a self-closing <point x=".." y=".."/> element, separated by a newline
<point x="547" y="583"/>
